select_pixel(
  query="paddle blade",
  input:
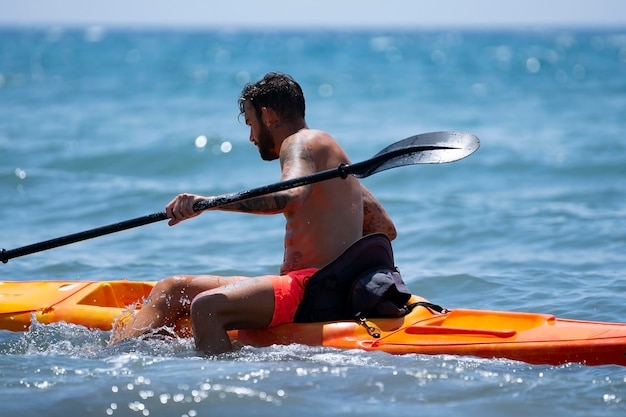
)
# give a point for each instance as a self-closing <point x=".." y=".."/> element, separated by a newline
<point x="427" y="148"/>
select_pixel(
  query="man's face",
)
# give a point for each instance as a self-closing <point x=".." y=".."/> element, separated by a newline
<point x="260" y="135"/>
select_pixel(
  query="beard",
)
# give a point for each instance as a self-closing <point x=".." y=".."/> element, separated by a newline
<point x="265" y="143"/>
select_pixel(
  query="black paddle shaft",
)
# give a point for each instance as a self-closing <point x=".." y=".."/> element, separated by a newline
<point x="427" y="148"/>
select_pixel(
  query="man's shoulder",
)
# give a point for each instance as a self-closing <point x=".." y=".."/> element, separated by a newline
<point x="322" y="140"/>
<point x="314" y="134"/>
<point x="314" y="140"/>
<point x="316" y="144"/>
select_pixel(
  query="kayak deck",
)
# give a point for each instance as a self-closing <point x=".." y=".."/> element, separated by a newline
<point x="529" y="337"/>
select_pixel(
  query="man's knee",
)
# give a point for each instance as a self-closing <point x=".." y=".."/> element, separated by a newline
<point x="209" y="307"/>
<point x="172" y="291"/>
<point x="171" y="285"/>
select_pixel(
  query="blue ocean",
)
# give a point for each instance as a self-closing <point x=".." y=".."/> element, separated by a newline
<point x="102" y="125"/>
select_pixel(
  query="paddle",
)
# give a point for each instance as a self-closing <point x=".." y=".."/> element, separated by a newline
<point x="427" y="148"/>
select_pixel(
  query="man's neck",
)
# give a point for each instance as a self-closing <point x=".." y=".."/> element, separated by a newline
<point x="285" y="128"/>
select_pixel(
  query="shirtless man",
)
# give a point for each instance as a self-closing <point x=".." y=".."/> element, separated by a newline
<point x="322" y="220"/>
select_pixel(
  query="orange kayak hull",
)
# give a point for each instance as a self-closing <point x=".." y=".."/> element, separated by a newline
<point x="529" y="337"/>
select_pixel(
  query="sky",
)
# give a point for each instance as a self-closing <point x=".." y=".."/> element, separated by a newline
<point x="315" y="13"/>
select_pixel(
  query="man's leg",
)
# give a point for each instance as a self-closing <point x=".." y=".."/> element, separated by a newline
<point x="169" y="300"/>
<point x="247" y="304"/>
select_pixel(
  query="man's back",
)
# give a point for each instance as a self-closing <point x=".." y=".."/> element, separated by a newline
<point x="331" y="216"/>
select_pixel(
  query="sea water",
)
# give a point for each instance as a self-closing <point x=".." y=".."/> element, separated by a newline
<point x="100" y="125"/>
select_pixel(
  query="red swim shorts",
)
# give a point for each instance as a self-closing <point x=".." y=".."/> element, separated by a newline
<point x="288" y="293"/>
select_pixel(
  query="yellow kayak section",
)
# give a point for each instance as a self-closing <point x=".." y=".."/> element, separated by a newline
<point x="530" y="337"/>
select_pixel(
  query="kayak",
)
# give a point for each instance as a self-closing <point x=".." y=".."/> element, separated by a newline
<point x="529" y="337"/>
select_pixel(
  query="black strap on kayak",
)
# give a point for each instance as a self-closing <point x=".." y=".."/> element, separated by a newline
<point x="375" y="332"/>
<point x="371" y="329"/>
<point x="434" y="308"/>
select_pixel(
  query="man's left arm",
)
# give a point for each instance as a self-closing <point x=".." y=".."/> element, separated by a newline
<point x="375" y="217"/>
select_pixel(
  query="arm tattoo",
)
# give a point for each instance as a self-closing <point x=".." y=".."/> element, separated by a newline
<point x="268" y="204"/>
<point x="375" y="218"/>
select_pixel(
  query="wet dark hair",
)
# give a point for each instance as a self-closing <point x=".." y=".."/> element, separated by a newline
<point x="277" y="91"/>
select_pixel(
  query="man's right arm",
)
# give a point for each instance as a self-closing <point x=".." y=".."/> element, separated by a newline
<point x="375" y="217"/>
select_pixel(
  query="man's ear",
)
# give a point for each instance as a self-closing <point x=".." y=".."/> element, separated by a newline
<point x="268" y="116"/>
